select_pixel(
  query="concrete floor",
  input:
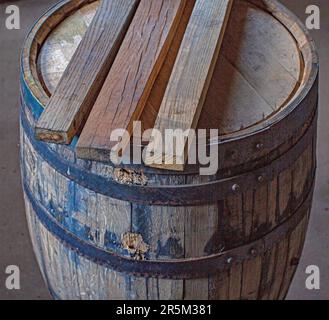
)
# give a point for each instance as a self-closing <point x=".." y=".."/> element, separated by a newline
<point x="15" y="246"/>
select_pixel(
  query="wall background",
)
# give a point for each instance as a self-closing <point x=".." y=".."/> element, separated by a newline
<point x="15" y="246"/>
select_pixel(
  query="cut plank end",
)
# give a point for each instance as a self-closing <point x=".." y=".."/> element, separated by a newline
<point x="51" y="136"/>
<point x="94" y="154"/>
<point x="74" y="97"/>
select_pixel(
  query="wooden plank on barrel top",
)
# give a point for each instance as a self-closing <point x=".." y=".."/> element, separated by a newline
<point x="153" y="103"/>
<point x="131" y="78"/>
<point x="83" y="78"/>
<point x="189" y="81"/>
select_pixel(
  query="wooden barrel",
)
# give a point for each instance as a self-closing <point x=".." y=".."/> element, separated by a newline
<point x="106" y="232"/>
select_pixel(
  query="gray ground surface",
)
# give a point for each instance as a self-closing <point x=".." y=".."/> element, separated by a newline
<point x="15" y="246"/>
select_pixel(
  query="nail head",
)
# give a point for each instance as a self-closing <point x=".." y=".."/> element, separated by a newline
<point x="235" y="187"/>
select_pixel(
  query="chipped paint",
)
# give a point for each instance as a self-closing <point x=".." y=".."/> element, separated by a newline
<point x="135" y="245"/>
<point x="130" y="177"/>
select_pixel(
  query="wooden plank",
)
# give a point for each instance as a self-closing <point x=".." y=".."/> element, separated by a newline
<point x="251" y="269"/>
<point x="248" y="212"/>
<point x="162" y="228"/>
<point x="82" y="80"/>
<point x="294" y="253"/>
<point x="272" y="203"/>
<point x="131" y="77"/>
<point x="219" y="285"/>
<point x="259" y="220"/>
<point x="285" y="193"/>
<point x="267" y="279"/>
<point x="241" y="104"/>
<point x="280" y="265"/>
<point x="201" y="223"/>
<point x="251" y="278"/>
<point x="190" y="79"/>
<point x="153" y="104"/>
<point x="280" y="84"/>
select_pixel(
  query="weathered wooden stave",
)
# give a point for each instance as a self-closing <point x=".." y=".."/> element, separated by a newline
<point x="145" y="217"/>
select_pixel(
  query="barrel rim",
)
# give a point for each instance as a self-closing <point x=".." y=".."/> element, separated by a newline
<point x="282" y="118"/>
<point x="271" y="6"/>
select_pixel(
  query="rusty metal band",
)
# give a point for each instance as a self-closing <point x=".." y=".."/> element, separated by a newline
<point x="168" y="195"/>
<point x="192" y="268"/>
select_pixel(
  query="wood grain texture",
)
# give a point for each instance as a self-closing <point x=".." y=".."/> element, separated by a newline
<point x="172" y="232"/>
<point x="190" y="78"/>
<point x="153" y="104"/>
<point x="241" y="103"/>
<point x="83" y="78"/>
<point x="60" y="45"/>
<point x="131" y="77"/>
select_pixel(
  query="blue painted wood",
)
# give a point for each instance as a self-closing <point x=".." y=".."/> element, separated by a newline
<point x="74" y="203"/>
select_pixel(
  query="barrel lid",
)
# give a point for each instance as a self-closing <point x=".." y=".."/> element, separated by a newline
<point x="259" y="71"/>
